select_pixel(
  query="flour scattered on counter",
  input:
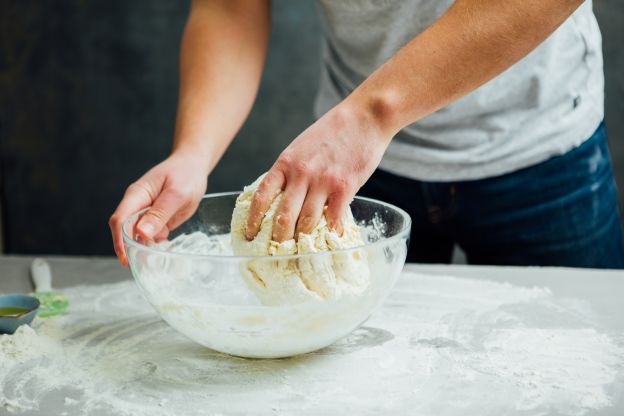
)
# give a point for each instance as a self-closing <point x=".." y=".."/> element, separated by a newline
<point x="18" y="346"/>
<point x="440" y="345"/>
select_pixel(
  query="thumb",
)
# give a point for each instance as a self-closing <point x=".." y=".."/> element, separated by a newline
<point x="156" y="218"/>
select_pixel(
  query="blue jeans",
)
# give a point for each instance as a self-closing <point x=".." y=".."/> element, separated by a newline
<point x="561" y="212"/>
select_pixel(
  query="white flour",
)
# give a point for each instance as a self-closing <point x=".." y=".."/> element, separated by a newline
<point x="440" y="345"/>
<point x="208" y="300"/>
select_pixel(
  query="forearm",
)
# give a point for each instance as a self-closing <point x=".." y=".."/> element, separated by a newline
<point x="221" y="61"/>
<point x="474" y="41"/>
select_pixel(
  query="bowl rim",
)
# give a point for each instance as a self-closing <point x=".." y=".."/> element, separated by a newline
<point x="128" y="241"/>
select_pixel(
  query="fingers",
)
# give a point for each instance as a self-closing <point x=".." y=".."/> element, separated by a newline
<point x="182" y="215"/>
<point x="162" y="234"/>
<point x="337" y="204"/>
<point x="286" y="215"/>
<point x="190" y="203"/>
<point x="334" y="214"/>
<point x="302" y="204"/>
<point x="151" y="224"/>
<point x="312" y="211"/>
<point x="135" y="199"/>
<point x="268" y="189"/>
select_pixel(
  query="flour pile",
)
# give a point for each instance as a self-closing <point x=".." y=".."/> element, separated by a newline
<point x="24" y="345"/>
<point x="292" y="281"/>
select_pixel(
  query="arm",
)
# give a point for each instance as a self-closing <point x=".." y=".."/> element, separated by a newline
<point x="221" y="60"/>
<point x="474" y="41"/>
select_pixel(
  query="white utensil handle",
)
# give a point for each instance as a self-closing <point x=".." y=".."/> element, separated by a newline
<point x="41" y="275"/>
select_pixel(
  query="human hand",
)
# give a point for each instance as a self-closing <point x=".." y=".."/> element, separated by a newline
<point x="324" y="166"/>
<point x="173" y="189"/>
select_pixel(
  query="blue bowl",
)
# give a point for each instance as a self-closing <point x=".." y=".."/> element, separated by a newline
<point x="10" y="323"/>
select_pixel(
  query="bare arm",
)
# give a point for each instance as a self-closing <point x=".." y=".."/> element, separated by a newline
<point x="474" y="41"/>
<point x="221" y="60"/>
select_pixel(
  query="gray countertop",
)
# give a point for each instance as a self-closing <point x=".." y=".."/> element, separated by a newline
<point x="604" y="288"/>
<point x="563" y="301"/>
<point x="67" y="271"/>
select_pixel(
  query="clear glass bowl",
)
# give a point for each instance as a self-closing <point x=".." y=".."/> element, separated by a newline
<point x="204" y="296"/>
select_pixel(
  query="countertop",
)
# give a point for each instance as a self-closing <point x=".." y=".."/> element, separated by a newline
<point x="565" y="301"/>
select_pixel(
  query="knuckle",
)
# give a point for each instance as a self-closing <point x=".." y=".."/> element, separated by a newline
<point x="283" y="219"/>
<point x="301" y="167"/>
<point x="284" y="161"/>
<point x="113" y="221"/>
<point x="138" y="187"/>
<point x="134" y="186"/>
<point x="337" y="183"/>
<point x="270" y="178"/>
<point x="157" y="214"/>
<point x="260" y="197"/>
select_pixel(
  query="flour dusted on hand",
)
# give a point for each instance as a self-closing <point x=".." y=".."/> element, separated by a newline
<point x="290" y="281"/>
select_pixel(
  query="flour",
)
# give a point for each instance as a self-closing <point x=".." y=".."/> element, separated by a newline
<point x="21" y="346"/>
<point x="208" y="299"/>
<point x="199" y="243"/>
<point x="440" y="345"/>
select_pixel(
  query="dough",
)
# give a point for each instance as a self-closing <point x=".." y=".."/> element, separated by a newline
<point x="296" y="280"/>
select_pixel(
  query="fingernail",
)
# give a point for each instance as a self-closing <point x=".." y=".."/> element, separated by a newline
<point x="147" y="229"/>
<point x="337" y="227"/>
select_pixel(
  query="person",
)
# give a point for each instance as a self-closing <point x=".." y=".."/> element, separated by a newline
<point x="481" y="118"/>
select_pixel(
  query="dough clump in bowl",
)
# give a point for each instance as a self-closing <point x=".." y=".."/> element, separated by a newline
<point x="307" y="278"/>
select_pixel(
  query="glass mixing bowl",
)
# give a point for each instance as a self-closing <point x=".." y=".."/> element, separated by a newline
<point x="203" y="295"/>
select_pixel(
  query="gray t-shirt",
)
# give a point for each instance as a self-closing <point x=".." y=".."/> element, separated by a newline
<point x="543" y="106"/>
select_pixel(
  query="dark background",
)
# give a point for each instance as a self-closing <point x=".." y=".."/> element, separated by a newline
<point x="88" y="92"/>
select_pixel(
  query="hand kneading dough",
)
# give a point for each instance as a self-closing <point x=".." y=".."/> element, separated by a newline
<point x="290" y="281"/>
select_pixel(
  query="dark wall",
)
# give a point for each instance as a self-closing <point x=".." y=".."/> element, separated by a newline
<point x="87" y="104"/>
<point x="88" y="92"/>
<point x="88" y="98"/>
